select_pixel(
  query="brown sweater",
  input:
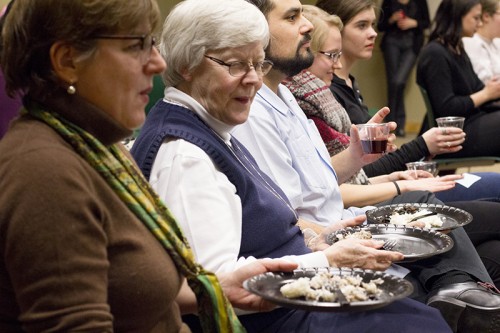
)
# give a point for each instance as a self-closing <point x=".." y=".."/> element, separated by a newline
<point x="72" y="255"/>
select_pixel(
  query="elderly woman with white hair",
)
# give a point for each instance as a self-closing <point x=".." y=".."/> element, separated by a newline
<point x="230" y="211"/>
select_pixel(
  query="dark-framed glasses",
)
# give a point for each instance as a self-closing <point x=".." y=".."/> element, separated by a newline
<point x="143" y="48"/>
<point x="334" y="56"/>
<point x="240" y="68"/>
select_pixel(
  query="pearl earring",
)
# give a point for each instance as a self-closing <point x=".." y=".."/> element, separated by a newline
<point x="71" y="90"/>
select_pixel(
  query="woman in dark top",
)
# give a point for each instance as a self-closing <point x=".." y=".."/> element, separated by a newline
<point x="351" y="99"/>
<point x="445" y="72"/>
<point x="403" y="22"/>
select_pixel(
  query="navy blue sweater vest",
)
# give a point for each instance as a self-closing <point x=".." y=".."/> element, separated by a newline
<point x="268" y="229"/>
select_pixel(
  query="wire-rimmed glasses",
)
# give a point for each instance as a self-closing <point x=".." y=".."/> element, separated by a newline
<point x="334" y="56"/>
<point x="240" y="68"/>
<point x="144" y="47"/>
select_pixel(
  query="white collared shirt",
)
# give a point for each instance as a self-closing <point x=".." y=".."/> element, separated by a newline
<point x="484" y="56"/>
<point x="288" y="147"/>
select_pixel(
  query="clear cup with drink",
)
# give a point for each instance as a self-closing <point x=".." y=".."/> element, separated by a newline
<point x="451" y="122"/>
<point x="428" y="166"/>
<point x="374" y="137"/>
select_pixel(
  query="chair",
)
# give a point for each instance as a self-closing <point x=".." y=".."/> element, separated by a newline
<point x="457" y="162"/>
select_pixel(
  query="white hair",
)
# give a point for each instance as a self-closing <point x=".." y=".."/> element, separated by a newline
<point x="194" y="27"/>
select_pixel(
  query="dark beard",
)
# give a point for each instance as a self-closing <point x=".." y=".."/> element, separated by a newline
<point x="291" y="66"/>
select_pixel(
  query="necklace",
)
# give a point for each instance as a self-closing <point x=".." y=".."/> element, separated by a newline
<point x="254" y="171"/>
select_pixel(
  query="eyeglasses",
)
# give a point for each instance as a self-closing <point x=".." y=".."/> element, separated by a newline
<point x="143" y="48"/>
<point x="240" y="68"/>
<point x="334" y="56"/>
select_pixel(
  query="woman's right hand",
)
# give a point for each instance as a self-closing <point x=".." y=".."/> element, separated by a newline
<point x="361" y="253"/>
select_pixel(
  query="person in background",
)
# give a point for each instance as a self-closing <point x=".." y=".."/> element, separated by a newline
<point x="232" y="212"/>
<point x="9" y="105"/>
<point x="444" y="70"/>
<point x="483" y="49"/>
<point x="403" y="23"/>
<point x="85" y="243"/>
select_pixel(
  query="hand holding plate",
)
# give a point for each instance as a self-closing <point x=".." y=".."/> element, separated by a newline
<point x="361" y="253"/>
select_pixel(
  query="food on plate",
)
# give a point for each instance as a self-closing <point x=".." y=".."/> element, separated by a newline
<point x="322" y="287"/>
<point x="348" y="233"/>
<point x="408" y="214"/>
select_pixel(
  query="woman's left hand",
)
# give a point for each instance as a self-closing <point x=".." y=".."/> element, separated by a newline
<point x="232" y="283"/>
<point x="436" y="184"/>
<point x="409" y="175"/>
<point x="318" y="243"/>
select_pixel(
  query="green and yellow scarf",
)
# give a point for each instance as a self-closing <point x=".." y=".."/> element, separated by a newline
<point x="215" y="312"/>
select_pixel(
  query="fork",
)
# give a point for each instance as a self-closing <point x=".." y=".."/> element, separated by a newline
<point x="422" y="216"/>
<point x="389" y="244"/>
<point x="341" y="299"/>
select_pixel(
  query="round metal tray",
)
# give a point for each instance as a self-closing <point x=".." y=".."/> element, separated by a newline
<point x="268" y="286"/>
<point x="413" y="243"/>
<point x="452" y="217"/>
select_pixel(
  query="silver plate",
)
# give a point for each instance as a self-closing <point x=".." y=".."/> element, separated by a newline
<point x="413" y="243"/>
<point x="268" y="286"/>
<point x="452" y="217"/>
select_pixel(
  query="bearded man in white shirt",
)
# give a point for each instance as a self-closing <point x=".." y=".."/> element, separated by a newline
<point x="290" y="150"/>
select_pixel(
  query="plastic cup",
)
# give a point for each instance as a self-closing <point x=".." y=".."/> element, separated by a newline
<point x="374" y="137"/>
<point x="451" y="122"/>
<point x="428" y="166"/>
